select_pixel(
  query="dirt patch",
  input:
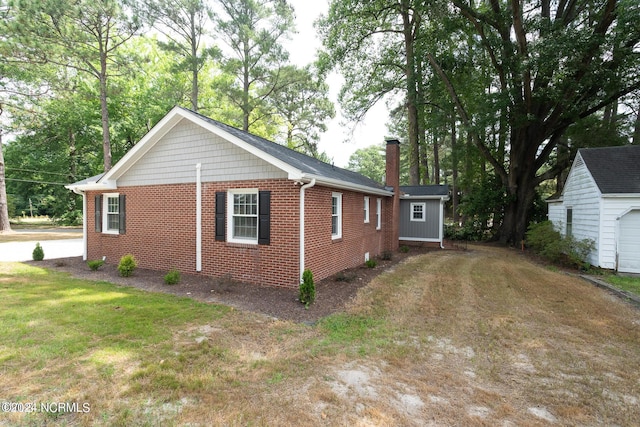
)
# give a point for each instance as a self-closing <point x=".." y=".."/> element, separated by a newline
<point x="332" y="294"/>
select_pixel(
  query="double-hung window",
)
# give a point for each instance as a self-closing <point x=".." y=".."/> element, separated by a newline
<point x="110" y="213"/>
<point x="569" y="231"/>
<point x="418" y="212"/>
<point x="112" y="203"/>
<point x="243" y="224"/>
<point x="336" y="215"/>
<point x="378" y="214"/>
<point x="366" y="209"/>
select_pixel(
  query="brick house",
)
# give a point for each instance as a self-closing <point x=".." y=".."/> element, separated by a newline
<point x="203" y="197"/>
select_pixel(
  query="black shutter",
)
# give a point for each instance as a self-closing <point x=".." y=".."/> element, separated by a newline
<point x="122" y="217"/>
<point x="98" y="213"/>
<point x="221" y="200"/>
<point x="264" y="220"/>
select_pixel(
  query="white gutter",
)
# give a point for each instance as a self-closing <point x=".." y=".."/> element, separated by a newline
<point x="198" y="217"/>
<point x="442" y="223"/>
<point x="302" y="188"/>
<point x="336" y="183"/>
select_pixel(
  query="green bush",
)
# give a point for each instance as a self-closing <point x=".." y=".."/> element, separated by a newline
<point x="307" y="288"/>
<point x="95" y="264"/>
<point x="547" y="242"/>
<point x="172" y="277"/>
<point x="386" y="256"/>
<point x="404" y="249"/>
<point x="127" y="265"/>
<point x="38" y="253"/>
<point x="371" y="263"/>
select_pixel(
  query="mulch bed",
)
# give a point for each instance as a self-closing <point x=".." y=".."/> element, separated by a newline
<point x="332" y="294"/>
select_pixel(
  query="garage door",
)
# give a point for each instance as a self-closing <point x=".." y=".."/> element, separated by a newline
<point x="629" y="243"/>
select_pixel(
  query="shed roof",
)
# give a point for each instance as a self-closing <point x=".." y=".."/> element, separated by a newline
<point x="425" y="190"/>
<point x="616" y="170"/>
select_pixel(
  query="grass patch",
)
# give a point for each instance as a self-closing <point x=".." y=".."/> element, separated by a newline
<point x="351" y="333"/>
<point x="626" y="283"/>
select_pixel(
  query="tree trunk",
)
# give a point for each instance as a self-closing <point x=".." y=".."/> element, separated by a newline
<point x="106" y="137"/>
<point x="636" y="129"/>
<point x="454" y="173"/>
<point x="5" y="225"/>
<point x="436" y="161"/>
<point x="412" y="111"/>
<point x="521" y="185"/>
<point x="194" y="63"/>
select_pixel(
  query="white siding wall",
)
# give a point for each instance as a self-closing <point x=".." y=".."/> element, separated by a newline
<point x="612" y="208"/>
<point x="556" y="214"/>
<point x="583" y="196"/>
<point x="172" y="160"/>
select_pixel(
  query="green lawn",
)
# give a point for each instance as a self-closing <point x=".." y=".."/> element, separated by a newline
<point x="626" y="283"/>
<point x="477" y="337"/>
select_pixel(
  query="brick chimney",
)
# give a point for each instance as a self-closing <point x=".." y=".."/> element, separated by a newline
<point x="392" y="179"/>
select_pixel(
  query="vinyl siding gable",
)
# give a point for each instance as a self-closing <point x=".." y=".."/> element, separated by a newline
<point x="173" y="158"/>
<point x="582" y="195"/>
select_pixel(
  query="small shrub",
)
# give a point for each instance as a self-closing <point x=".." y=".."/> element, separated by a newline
<point x="371" y="263"/>
<point x="95" y="264"/>
<point x="307" y="288"/>
<point x="38" y="253"/>
<point x="547" y="242"/>
<point x="386" y="256"/>
<point x="172" y="277"/>
<point x="404" y="249"/>
<point x="127" y="264"/>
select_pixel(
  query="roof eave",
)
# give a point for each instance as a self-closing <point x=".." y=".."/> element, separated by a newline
<point x="92" y="186"/>
<point x="620" y="195"/>
<point x="431" y="196"/>
<point x="343" y="185"/>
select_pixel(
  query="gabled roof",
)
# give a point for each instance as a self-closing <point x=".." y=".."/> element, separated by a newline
<point x="298" y="166"/>
<point x="433" y="191"/>
<point x="616" y="170"/>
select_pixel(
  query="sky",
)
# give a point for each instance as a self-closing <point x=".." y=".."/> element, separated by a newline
<point x="338" y="142"/>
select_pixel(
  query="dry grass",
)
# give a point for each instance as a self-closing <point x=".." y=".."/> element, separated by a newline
<point x="481" y="337"/>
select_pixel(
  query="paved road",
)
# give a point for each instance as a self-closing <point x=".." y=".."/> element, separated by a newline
<point x="23" y="251"/>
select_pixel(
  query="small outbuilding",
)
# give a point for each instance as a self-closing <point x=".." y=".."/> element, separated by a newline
<point x="601" y="202"/>
<point x="422" y="213"/>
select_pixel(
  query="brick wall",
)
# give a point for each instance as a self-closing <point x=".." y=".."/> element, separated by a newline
<point x="161" y="232"/>
<point x="325" y="256"/>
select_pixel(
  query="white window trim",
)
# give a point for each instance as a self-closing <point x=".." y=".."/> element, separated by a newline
<point x="338" y="196"/>
<point x="412" y="212"/>
<point x="230" y="194"/>
<point x="378" y="213"/>
<point x="366" y="209"/>
<point x="105" y="213"/>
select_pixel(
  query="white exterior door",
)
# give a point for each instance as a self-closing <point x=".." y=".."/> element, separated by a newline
<point x="629" y="242"/>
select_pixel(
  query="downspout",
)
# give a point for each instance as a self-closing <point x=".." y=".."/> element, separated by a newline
<point x="84" y="222"/>
<point x="198" y="217"/>
<point x="441" y="223"/>
<point x="302" y="188"/>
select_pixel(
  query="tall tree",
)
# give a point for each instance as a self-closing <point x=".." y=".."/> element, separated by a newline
<point x="183" y="23"/>
<point x="82" y="34"/>
<point x="374" y="45"/>
<point x="304" y="106"/>
<point x="253" y="31"/>
<point x="553" y="63"/>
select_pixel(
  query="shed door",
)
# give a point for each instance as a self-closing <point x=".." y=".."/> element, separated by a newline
<point x="629" y="243"/>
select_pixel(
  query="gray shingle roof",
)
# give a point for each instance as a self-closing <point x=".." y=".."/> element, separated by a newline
<point x="425" y="190"/>
<point x="616" y="170"/>
<point x="298" y="160"/>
